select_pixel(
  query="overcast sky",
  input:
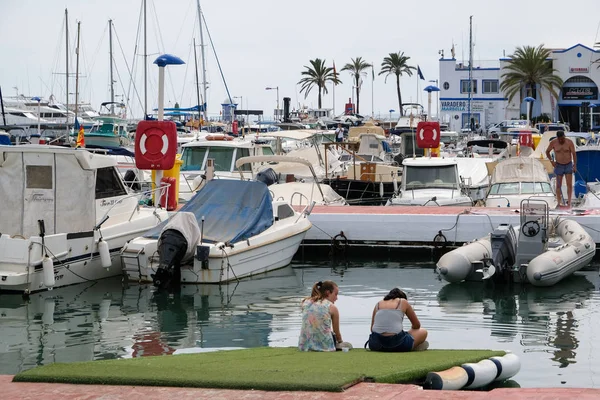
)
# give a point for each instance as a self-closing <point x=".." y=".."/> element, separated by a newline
<point x="266" y="43"/>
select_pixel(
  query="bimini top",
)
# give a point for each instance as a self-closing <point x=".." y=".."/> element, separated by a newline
<point x="520" y="169"/>
<point x="233" y="211"/>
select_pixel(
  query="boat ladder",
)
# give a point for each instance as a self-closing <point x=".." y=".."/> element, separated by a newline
<point x="130" y="264"/>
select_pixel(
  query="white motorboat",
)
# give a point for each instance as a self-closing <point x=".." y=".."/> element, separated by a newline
<point x="224" y="150"/>
<point x="541" y="251"/>
<point x="430" y="182"/>
<point x="67" y="214"/>
<point x="231" y="229"/>
<point x="295" y="192"/>
<point x="518" y="178"/>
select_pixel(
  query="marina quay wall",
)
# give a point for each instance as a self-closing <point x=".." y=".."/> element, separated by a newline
<point x="418" y="226"/>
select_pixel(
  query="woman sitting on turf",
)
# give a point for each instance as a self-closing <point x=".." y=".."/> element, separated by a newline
<point x="320" y="319"/>
<point x="387" y="333"/>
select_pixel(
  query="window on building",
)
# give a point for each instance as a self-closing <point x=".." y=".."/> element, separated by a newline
<point x="464" y="86"/>
<point x="490" y="86"/>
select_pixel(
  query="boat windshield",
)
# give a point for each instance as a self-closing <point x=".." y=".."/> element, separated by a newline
<point x="520" y="188"/>
<point x="194" y="158"/>
<point x="444" y="177"/>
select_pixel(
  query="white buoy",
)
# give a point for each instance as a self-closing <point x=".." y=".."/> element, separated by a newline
<point x="104" y="254"/>
<point x="48" y="315"/>
<point x="480" y="374"/>
<point x="48" y="270"/>
<point x="450" y="379"/>
<point x="508" y="365"/>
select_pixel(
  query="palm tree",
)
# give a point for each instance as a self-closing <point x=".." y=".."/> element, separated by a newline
<point x="357" y="68"/>
<point x="317" y="75"/>
<point x="530" y="66"/>
<point x="397" y="64"/>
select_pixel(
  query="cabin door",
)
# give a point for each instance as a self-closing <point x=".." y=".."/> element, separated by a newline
<point x="39" y="201"/>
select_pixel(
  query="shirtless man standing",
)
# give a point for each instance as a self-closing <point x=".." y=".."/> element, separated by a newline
<point x="564" y="163"/>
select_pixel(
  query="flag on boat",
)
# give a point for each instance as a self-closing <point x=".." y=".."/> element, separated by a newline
<point x="80" y="140"/>
<point x="334" y="71"/>
<point x="373" y="71"/>
<point x="420" y="73"/>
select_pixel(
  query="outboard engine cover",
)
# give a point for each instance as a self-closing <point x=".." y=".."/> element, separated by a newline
<point x="172" y="248"/>
<point x="267" y="176"/>
<point x="504" y="247"/>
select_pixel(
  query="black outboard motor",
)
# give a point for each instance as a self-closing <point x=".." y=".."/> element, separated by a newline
<point x="172" y="247"/>
<point x="267" y="176"/>
<point x="504" y="250"/>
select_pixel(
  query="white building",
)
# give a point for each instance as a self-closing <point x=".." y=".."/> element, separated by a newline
<point x="577" y="66"/>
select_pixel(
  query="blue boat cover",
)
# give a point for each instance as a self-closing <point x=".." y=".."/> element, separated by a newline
<point x="588" y="164"/>
<point x="233" y="210"/>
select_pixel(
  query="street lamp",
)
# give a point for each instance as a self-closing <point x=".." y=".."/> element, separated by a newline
<point x="275" y="88"/>
<point x="529" y="100"/>
<point x="430" y="89"/>
<point x="437" y="96"/>
<point x="391" y="111"/>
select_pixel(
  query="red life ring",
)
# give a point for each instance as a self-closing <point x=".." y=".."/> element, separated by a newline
<point x="155" y="139"/>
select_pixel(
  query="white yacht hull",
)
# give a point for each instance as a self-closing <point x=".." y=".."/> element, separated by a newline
<point x="75" y="256"/>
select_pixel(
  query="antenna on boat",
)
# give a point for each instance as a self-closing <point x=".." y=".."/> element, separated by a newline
<point x="471" y="125"/>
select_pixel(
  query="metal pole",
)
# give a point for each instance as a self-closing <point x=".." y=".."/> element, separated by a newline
<point x="197" y="86"/>
<point x="470" y="66"/>
<point x="110" y="55"/>
<point x="2" y="106"/>
<point x="77" y="71"/>
<point x="277" y="101"/>
<point x="145" y="65"/>
<point x="67" y="65"/>
<point x="203" y="60"/>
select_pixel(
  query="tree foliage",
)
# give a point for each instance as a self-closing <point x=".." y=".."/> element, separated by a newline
<point x="317" y="75"/>
<point x="397" y="64"/>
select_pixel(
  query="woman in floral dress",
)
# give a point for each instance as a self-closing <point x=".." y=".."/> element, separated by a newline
<point x="320" y="319"/>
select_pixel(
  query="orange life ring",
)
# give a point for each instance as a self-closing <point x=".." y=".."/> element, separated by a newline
<point x="219" y="136"/>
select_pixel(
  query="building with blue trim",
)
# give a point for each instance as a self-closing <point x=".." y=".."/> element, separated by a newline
<point x="486" y="104"/>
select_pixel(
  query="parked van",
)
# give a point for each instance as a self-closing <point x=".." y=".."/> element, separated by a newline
<point x="506" y="124"/>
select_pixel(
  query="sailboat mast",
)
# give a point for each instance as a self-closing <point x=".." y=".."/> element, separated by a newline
<point x="145" y="66"/>
<point x="77" y="71"/>
<point x="470" y="69"/>
<point x="197" y="84"/>
<point x="110" y="55"/>
<point x="205" y="113"/>
<point x="67" y="66"/>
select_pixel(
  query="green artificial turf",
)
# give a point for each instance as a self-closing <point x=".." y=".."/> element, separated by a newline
<point x="263" y="368"/>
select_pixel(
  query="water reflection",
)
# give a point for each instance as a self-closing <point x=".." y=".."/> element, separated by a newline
<point x="539" y="316"/>
<point x="549" y="328"/>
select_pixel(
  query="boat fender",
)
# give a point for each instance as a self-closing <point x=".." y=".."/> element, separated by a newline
<point x="450" y="379"/>
<point x="381" y="191"/>
<point x="104" y="254"/>
<point x="48" y="270"/>
<point x="508" y="365"/>
<point x="395" y="183"/>
<point x="480" y="374"/>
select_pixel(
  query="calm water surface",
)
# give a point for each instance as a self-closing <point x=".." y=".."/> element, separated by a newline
<point x="553" y="330"/>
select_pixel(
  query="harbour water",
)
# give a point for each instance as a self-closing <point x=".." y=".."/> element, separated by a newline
<point x="553" y="330"/>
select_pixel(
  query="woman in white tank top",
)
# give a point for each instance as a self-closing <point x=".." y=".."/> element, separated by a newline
<point x="387" y="333"/>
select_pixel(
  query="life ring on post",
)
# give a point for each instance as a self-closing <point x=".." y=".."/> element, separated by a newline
<point x="155" y="145"/>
